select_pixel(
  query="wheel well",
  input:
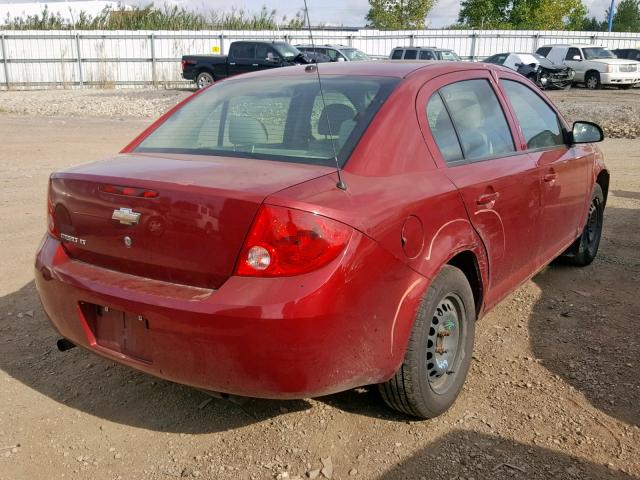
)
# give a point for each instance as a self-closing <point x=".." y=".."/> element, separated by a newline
<point x="204" y="70"/>
<point x="586" y="74"/>
<point x="467" y="262"/>
<point x="603" y="181"/>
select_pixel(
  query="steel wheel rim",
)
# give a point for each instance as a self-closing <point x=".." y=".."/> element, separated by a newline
<point x="204" y="81"/>
<point x="592" y="82"/>
<point x="592" y="228"/>
<point x="444" y="343"/>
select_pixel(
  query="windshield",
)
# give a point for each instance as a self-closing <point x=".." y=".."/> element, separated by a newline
<point x="593" y="53"/>
<point x="286" y="50"/>
<point x="281" y="118"/>
<point x="354" y="54"/>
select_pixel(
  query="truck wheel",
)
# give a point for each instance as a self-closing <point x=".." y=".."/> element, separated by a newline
<point x="584" y="250"/>
<point x="439" y="351"/>
<point x="204" y="79"/>
<point x="592" y="80"/>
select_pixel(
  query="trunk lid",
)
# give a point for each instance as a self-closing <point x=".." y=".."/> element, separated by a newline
<point x="191" y="232"/>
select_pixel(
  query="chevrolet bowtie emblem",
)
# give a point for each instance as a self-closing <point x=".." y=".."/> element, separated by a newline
<point x="126" y="216"/>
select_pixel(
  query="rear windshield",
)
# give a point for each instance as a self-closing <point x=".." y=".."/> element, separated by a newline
<point x="281" y="118"/>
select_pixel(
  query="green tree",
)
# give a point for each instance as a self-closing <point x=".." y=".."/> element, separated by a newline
<point x="398" y="14"/>
<point x="594" y="25"/>
<point x="627" y="16"/>
<point x="523" y="14"/>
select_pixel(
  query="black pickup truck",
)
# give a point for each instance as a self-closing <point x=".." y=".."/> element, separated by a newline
<point x="244" y="56"/>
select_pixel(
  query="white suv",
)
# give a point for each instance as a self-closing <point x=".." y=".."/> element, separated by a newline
<point x="594" y="65"/>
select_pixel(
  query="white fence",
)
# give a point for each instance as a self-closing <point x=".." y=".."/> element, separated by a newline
<point x="37" y="59"/>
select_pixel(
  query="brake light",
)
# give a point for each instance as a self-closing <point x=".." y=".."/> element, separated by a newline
<point x="128" y="191"/>
<point x="184" y="63"/>
<point x="51" y="215"/>
<point x="285" y="242"/>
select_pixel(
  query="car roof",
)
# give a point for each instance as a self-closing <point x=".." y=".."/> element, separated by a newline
<point x="331" y="45"/>
<point x="573" y="45"/>
<point x="381" y="68"/>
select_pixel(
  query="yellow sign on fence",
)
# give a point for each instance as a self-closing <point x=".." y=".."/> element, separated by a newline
<point x="215" y="49"/>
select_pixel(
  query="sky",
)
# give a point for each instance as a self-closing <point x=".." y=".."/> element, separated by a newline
<point x="334" y="12"/>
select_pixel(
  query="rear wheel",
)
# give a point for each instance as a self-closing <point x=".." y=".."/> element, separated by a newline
<point x="439" y="351"/>
<point x="204" y="79"/>
<point x="585" y="248"/>
<point x="592" y="80"/>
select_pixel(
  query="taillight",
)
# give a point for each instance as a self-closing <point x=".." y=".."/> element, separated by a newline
<point x="52" y="227"/>
<point x="285" y="242"/>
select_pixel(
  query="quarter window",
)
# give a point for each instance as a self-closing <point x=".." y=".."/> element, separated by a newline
<point x="539" y="123"/>
<point x="478" y="119"/>
<point x="396" y="55"/>
<point x="442" y="130"/>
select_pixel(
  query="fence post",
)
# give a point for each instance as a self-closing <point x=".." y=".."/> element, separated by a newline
<point x="4" y="61"/>
<point x="536" y="39"/>
<point x="79" y="60"/>
<point x="411" y="40"/>
<point x="222" y="44"/>
<point x="154" y="76"/>
<point x="350" y="40"/>
<point x="474" y="35"/>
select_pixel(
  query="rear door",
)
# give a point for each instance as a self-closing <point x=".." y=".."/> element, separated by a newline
<point x="471" y="135"/>
<point x="242" y="58"/>
<point x="564" y="171"/>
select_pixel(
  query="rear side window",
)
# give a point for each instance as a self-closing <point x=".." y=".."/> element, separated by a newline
<point x="410" y="54"/>
<point x="244" y="50"/>
<point x="478" y="119"/>
<point x="442" y="129"/>
<point x="539" y="123"/>
<point x="396" y="55"/>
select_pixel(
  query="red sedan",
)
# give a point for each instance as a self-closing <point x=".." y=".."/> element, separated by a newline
<point x="220" y="249"/>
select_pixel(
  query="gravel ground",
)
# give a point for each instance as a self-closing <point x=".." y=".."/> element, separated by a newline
<point x="617" y="111"/>
<point x="553" y="391"/>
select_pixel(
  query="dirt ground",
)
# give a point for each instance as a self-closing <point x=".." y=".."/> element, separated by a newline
<point x="553" y="392"/>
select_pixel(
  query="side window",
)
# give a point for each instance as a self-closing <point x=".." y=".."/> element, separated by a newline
<point x="544" y="51"/>
<point x="264" y="52"/>
<point x="478" y="119"/>
<point x="572" y="52"/>
<point x="244" y="51"/>
<point x="333" y="55"/>
<point x="539" y="123"/>
<point x="427" y="55"/>
<point x="442" y="130"/>
<point x="410" y="54"/>
<point x="397" y="54"/>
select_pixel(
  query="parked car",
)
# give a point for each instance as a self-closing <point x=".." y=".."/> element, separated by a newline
<point x="594" y="65"/>
<point x="628" y="53"/>
<point x="244" y="56"/>
<point x="336" y="53"/>
<point x="462" y="181"/>
<point x="423" y="53"/>
<point x="536" y="68"/>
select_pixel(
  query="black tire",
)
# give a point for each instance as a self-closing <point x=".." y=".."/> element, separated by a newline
<point x="585" y="248"/>
<point x="592" y="81"/>
<point x="626" y="87"/>
<point x="204" y="79"/>
<point x="422" y="386"/>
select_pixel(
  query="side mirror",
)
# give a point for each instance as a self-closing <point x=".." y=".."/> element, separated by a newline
<point x="576" y="58"/>
<point x="586" y="132"/>
<point x="274" y="60"/>
<point x="340" y="59"/>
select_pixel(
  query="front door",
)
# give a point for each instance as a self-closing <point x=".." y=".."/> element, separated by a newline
<point x="564" y="171"/>
<point x="474" y="140"/>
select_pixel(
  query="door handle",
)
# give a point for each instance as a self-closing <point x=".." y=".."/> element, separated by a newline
<point x="232" y="63"/>
<point x="254" y="64"/>
<point x="550" y="177"/>
<point x="487" y="198"/>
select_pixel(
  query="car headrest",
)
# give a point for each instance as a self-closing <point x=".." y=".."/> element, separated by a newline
<point x="335" y="114"/>
<point x="247" y="131"/>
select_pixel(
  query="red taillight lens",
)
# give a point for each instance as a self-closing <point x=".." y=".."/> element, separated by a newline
<point x="51" y="215"/>
<point x="284" y="242"/>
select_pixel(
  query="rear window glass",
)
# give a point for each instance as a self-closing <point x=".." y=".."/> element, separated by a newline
<point x="280" y="118"/>
<point x="410" y="54"/>
<point x="396" y="55"/>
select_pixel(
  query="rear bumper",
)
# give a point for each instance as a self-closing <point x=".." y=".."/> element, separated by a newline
<point x="342" y="326"/>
